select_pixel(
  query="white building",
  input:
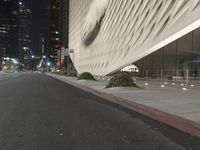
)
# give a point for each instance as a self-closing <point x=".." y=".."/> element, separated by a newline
<point x="108" y="35"/>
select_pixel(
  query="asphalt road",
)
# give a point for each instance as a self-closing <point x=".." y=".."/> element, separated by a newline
<point x="38" y="112"/>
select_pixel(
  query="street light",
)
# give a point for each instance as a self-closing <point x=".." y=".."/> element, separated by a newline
<point x="48" y="64"/>
<point x="33" y="62"/>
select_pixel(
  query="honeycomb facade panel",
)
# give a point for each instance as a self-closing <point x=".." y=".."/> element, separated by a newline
<point x="107" y="35"/>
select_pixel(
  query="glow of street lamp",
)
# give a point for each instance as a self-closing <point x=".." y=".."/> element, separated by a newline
<point x="48" y="64"/>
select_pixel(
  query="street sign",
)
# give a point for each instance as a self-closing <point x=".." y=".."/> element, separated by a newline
<point x="66" y="52"/>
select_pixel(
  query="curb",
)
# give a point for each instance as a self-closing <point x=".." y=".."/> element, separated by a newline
<point x="180" y="123"/>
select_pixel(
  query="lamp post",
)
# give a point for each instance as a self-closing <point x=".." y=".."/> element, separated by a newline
<point x="71" y="51"/>
<point x="33" y="62"/>
<point x="48" y="64"/>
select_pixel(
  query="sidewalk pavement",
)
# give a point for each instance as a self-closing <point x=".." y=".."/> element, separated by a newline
<point x="172" y="104"/>
<point x="1" y="72"/>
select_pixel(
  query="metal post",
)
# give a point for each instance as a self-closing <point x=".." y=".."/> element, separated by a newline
<point x="147" y="74"/>
<point x="176" y="74"/>
<point x="72" y="51"/>
<point x="187" y="77"/>
<point x="161" y="76"/>
<point x="73" y="65"/>
<point x="157" y="74"/>
<point x="143" y="74"/>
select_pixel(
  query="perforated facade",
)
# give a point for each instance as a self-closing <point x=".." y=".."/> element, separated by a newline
<point x="107" y="35"/>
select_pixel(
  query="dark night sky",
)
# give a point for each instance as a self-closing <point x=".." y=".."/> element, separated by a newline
<point x="38" y="8"/>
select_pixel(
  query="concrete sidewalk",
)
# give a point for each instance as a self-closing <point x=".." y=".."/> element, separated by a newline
<point x="171" y="104"/>
<point x="1" y="72"/>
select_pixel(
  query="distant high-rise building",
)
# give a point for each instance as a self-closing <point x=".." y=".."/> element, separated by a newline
<point x="45" y="34"/>
<point x="57" y="34"/>
<point x="14" y="29"/>
<point x="42" y="44"/>
<point x="9" y="28"/>
<point x="24" y="31"/>
<point x="64" y="22"/>
<point x="54" y="34"/>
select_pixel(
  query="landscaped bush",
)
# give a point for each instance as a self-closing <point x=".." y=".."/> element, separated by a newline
<point x="122" y="79"/>
<point x="71" y="74"/>
<point x="61" y="73"/>
<point x="86" y="76"/>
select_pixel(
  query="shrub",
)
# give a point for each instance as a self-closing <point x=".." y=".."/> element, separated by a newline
<point x="61" y="73"/>
<point x="70" y="73"/>
<point x="121" y="80"/>
<point x="86" y="76"/>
